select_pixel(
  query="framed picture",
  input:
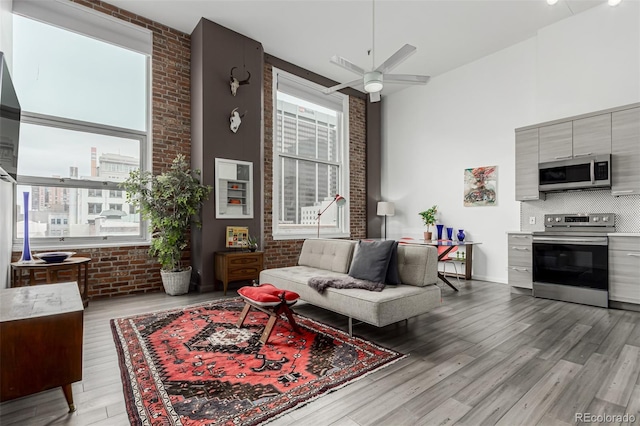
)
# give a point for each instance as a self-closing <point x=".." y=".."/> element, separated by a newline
<point x="237" y="236"/>
<point x="480" y="186"/>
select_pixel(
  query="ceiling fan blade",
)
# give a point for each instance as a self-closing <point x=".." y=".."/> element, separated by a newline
<point x="348" y="65"/>
<point x="337" y="87"/>
<point x="406" y="78"/>
<point x="374" y="96"/>
<point x="395" y="59"/>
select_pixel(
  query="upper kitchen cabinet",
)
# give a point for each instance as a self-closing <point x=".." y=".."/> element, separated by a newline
<point x="527" y="165"/>
<point x="576" y="138"/>
<point x="555" y="142"/>
<point x="592" y="136"/>
<point x="625" y="152"/>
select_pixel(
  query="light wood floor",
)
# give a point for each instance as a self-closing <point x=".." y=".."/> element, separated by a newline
<point x="484" y="357"/>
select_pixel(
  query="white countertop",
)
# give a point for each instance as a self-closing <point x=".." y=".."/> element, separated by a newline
<point x="624" y="234"/>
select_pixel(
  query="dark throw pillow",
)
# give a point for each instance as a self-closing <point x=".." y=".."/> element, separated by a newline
<point x="393" y="276"/>
<point x="371" y="260"/>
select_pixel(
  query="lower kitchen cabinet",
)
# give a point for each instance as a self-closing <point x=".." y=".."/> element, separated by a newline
<point x="520" y="270"/>
<point x="624" y="269"/>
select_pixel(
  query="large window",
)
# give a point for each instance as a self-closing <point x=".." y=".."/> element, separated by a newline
<point x="85" y="100"/>
<point x="310" y="159"/>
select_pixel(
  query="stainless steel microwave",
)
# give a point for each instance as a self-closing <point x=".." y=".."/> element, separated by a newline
<point x="589" y="172"/>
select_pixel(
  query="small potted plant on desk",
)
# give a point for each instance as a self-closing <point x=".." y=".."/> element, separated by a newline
<point x="252" y="243"/>
<point x="429" y="218"/>
<point x="171" y="201"/>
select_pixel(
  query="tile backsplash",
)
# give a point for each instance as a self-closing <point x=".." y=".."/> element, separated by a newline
<point x="626" y="208"/>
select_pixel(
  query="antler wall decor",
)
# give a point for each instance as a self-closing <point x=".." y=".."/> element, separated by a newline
<point x="235" y="83"/>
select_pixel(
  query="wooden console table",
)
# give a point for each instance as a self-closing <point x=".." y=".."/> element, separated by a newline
<point x="74" y="264"/>
<point x="236" y="266"/>
<point x="40" y="340"/>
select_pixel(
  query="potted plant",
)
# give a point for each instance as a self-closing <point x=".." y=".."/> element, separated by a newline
<point x="252" y="243"/>
<point x="429" y="218"/>
<point x="171" y="202"/>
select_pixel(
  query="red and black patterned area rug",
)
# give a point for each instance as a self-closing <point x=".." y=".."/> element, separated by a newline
<point x="193" y="366"/>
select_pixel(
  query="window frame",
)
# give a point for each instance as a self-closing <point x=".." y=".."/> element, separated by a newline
<point x="311" y="92"/>
<point x="90" y="23"/>
<point x="72" y="184"/>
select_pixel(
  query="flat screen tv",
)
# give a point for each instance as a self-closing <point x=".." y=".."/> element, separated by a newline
<point x="9" y="124"/>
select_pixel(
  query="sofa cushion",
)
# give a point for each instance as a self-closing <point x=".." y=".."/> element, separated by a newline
<point x="414" y="262"/>
<point x="393" y="276"/>
<point x="332" y="255"/>
<point x="371" y="260"/>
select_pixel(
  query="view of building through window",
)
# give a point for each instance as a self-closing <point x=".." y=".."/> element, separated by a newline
<point x="82" y="212"/>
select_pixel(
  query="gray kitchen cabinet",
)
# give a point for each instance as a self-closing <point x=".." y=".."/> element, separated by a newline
<point x="527" y="165"/>
<point x="520" y="272"/>
<point x="624" y="269"/>
<point x="555" y="142"/>
<point x="625" y="152"/>
<point x="592" y="135"/>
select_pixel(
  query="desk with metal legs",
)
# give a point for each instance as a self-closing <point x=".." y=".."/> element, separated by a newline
<point x="468" y="245"/>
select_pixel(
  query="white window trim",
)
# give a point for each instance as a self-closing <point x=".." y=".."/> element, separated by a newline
<point x="343" y="186"/>
<point x="88" y="22"/>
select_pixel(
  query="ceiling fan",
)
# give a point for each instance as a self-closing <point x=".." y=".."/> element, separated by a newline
<point x="373" y="80"/>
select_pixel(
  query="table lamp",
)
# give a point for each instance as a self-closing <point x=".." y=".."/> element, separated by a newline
<point x="385" y="209"/>
<point x="339" y="200"/>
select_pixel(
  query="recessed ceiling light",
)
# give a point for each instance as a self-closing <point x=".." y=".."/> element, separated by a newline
<point x="614" y="2"/>
<point x="552" y="2"/>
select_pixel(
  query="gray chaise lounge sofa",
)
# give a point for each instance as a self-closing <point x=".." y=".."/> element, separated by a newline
<point x="416" y="295"/>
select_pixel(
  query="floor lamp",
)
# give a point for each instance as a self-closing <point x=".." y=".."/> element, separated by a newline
<point x="339" y="200"/>
<point x="385" y="209"/>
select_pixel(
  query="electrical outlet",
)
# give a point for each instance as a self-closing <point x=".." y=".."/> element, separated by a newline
<point x="532" y="220"/>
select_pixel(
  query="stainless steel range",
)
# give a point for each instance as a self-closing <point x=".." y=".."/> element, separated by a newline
<point x="571" y="258"/>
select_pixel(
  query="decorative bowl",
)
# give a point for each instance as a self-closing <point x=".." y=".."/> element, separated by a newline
<point x="54" y="256"/>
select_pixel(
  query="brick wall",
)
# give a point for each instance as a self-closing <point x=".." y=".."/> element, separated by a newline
<point x="282" y="253"/>
<point x="126" y="270"/>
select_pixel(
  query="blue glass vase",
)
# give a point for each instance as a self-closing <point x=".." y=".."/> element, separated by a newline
<point x="450" y="234"/>
<point x="439" y="228"/>
<point x="461" y="235"/>
<point x="26" y="248"/>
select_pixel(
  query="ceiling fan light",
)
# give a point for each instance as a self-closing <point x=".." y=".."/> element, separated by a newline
<point x="614" y="2"/>
<point x="373" y="82"/>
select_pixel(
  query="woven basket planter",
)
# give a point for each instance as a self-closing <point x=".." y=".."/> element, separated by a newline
<point x="176" y="283"/>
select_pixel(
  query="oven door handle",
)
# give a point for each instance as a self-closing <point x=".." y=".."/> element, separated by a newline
<point x="597" y="241"/>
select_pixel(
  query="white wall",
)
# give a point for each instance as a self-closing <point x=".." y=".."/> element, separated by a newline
<point x="6" y="189"/>
<point x="466" y="118"/>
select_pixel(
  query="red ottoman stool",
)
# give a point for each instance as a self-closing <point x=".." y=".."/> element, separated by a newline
<point x="270" y="300"/>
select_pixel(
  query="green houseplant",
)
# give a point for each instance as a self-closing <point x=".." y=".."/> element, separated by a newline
<point x="171" y="202"/>
<point x="429" y="218"/>
<point x="252" y="243"/>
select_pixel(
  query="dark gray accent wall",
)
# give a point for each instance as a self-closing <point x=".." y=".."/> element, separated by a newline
<point x="214" y="51"/>
<point x="374" y="165"/>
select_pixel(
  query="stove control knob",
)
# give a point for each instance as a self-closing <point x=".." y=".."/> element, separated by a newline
<point x="549" y="219"/>
<point x="596" y="219"/>
<point x="558" y="219"/>
<point x="605" y="218"/>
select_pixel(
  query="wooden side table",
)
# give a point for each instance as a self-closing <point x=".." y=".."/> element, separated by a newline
<point x="40" y="340"/>
<point x="74" y="264"/>
<point x="236" y="266"/>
